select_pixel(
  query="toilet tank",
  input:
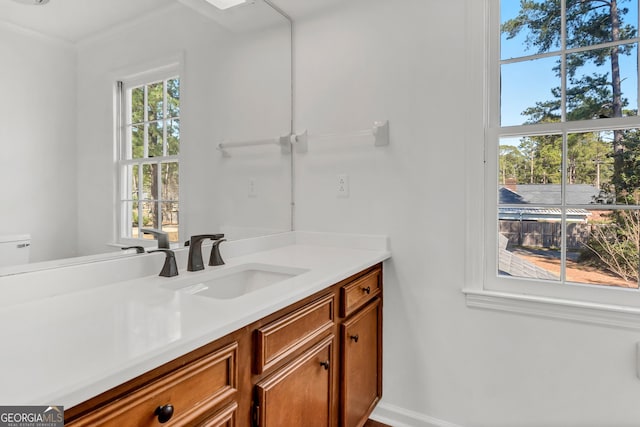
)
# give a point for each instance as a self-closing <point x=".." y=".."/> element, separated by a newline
<point x="14" y="249"/>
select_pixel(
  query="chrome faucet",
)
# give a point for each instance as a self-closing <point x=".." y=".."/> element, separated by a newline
<point x="170" y="268"/>
<point x="161" y="236"/>
<point x="195" y="263"/>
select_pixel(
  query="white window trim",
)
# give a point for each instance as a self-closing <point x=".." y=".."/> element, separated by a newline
<point x="140" y="73"/>
<point x="602" y="305"/>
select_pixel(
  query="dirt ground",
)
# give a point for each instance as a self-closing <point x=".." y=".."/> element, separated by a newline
<point x="576" y="272"/>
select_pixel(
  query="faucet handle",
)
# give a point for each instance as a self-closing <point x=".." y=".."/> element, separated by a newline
<point x="215" y="258"/>
<point x="139" y="249"/>
<point x="170" y="268"/>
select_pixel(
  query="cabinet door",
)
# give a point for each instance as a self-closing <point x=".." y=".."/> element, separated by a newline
<point x="361" y="377"/>
<point x="300" y="393"/>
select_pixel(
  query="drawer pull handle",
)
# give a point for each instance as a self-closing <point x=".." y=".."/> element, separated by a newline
<point x="164" y="413"/>
<point x="325" y="365"/>
<point x="355" y="338"/>
<point x="367" y="290"/>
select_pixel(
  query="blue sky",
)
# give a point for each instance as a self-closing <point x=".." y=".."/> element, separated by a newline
<point x="527" y="82"/>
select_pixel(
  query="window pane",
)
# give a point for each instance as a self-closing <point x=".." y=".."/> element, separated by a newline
<point x="173" y="97"/>
<point x="529" y="243"/>
<point x="589" y="168"/>
<point x="135" y="142"/>
<point x="155" y="138"/>
<point x="603" y="249"/>
<point x="149" y="217"/>
<point x="155" y="101"/>
<point x="530" y="92"/>
<point x="173" y="137"/>
<point x="529" y="29"/>
<point x="590" y="22"/>
<point x="170" y="181"/>
<point x="137" y="105"/>
<point x="170" y="218"/>
<point x="530" y="172"/>
<point x="627" y="155"/>
<point x="150" y="182"/>
<point x="593" y="81"/>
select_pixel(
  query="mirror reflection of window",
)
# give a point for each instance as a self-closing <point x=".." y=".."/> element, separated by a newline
<point x="149" y="156"/>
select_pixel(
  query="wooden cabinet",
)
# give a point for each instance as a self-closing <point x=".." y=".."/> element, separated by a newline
<point x="358" y="292"/>
<point x="181" y="398"/>
<point x="316" y="363"/>
<point x="226" y="417"/>
<point x="301" y="392"/>
<point x="292" y="332"/>
<point x="361" y="379"/>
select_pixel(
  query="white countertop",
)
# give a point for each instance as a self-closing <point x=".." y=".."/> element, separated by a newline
<point x="65" y="348"/>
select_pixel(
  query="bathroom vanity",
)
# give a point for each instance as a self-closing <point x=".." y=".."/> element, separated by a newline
<point x="317" y="362"/>
<point x="300" y="345"/>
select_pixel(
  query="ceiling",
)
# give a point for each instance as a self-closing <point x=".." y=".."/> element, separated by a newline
<point x="75" y="20"/>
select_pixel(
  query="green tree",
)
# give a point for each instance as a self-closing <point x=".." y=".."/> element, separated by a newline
<point x="512" y="164"/>
<point x="588" y="23"/>
<point x="587" y="159"/>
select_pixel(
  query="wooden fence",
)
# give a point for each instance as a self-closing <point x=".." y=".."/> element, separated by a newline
<point x="544" y="234"/>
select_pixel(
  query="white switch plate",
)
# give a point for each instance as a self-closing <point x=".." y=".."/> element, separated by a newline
<point x="251" y="188"/>
<point x="342" y="189"/>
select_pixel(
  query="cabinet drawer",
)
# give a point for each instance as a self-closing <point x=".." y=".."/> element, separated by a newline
<point x="295" y="331"/>
<point x="226" y="417"/>
<point x="357" y="293"/>
<point x="193" y="390"/>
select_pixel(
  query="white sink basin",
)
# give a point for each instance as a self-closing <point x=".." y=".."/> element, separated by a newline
<point x="236" y="281"/>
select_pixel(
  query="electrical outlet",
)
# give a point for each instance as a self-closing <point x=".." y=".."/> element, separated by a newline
<point x="252" y="190"/>
<point x="342" y="189"/>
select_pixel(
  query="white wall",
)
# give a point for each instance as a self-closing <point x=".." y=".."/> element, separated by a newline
<point x="37" y="163"/>
<point x="227" y="84"/>
<point x="444" y="362"/>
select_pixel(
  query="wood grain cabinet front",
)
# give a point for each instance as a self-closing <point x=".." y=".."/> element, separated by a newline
<point x="361" y="364"/>
<point x="181" y="398"/>
<point x="293" y="332"/>
<point x="358" y="292"/>
<point x="226" y="417"/>
<point x="301" y="392"/>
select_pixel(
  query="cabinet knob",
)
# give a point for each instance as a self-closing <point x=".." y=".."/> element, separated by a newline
<point x="325" y="365"/>
<point x="355" y="338"/>
<point x="164" y="413"/>
<point x="367" y="290"/>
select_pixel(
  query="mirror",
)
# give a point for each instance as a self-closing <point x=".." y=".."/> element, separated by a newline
<point x="59" y="165"/>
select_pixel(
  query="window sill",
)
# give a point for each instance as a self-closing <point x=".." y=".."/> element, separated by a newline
<point x="555" y="308"/>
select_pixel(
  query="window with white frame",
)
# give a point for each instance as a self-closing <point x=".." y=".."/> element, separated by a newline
<point x="564" y="153"/>
<point x="149" y="155"/>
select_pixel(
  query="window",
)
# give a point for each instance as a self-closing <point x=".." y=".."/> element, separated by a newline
<point x="564" y="147"/>
<point x="149" y="155"/>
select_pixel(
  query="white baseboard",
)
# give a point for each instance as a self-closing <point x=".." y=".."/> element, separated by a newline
<point x="399" y="417"/>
